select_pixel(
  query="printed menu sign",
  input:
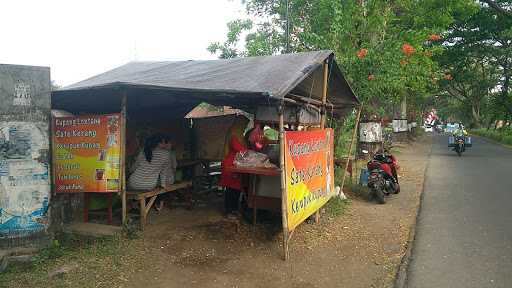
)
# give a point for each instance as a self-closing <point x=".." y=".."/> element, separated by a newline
<point x="309" y="167"/>
<point x="86" y="151"/>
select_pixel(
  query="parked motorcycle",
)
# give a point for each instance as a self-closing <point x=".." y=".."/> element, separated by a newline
<point x="383" y="178"/>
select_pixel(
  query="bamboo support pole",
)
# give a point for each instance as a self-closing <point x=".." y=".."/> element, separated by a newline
<point x="123" y="156"/>
<point x="284" y="196"/>
<point x="350" y="147"/>
<point x="324" y="114"/>
<point x="324" y="94"/>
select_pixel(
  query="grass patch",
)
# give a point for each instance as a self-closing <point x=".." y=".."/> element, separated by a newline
<point x="86" y="254"/>
<point x="418" y="132"/>
<point x="336" y="206"/>
<point x="54" y="251"/>
<point x="358" y="190"/>
<point x="502" y="135"/>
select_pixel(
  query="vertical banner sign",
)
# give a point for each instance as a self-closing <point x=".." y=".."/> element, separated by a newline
<point x="86" y="151"/>
<point x="309" y="167"/>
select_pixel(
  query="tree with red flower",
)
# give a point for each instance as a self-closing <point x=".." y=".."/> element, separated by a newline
<point x="362" y="52"/>
<point x="434" y="37"/>
<point x="408" y="49"/>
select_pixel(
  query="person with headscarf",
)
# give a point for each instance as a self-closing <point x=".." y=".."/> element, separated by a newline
<point x="232" y="181"/>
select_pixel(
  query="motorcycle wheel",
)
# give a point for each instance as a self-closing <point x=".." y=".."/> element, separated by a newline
<point x="397" y="188"/>
<point x="379" y="195"/>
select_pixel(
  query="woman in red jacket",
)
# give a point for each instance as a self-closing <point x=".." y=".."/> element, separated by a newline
<point x="230" y="180"/>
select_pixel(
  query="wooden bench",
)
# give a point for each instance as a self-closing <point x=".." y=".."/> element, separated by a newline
<point x="141" y="196"/>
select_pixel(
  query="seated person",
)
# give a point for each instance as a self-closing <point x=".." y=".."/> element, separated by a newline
<point x="153" y="166"/>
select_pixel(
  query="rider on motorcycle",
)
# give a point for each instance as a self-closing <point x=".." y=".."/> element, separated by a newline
<point x="460" y="132"/>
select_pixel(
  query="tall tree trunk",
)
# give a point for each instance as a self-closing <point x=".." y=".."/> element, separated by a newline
<point x="505" y="88"/>
<point x="475" y="109"/>
<point x="403" y="107"/>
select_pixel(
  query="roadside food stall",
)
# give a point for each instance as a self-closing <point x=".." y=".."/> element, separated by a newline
<point x="293" y="93"/>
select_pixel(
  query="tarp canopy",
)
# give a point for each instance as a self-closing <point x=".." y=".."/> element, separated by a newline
<point x="177" y="87"/>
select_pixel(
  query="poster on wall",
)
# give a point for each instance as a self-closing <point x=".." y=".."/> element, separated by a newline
<point x="370" y="132"/>
<point x="24" y="184"/>
<point x="24" y="151"/>
<point x="309" y="167"/>
<point x="400" y="125"/>
<point x="87" y="153"/>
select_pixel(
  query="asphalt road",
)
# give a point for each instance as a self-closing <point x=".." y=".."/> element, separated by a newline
<point x="464" y="231"/>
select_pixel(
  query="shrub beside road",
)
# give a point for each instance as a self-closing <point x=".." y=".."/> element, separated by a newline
<point x="502" y="135"/>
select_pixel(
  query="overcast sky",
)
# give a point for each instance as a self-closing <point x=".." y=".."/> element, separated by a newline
<point x="78" y="39"/>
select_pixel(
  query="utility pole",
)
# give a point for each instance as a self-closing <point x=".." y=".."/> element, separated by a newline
<point x="287" y="27"/>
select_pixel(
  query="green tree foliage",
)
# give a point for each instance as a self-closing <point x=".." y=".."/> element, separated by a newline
<point x="228" y="49"/>
<point x="478" y="56"/>
<point x="385" y="48"/>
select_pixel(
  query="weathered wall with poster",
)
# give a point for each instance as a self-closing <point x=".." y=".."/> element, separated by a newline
<point x="400" y="125"/>
<point x="370" y="132"/>
<point x="24" y="151"/>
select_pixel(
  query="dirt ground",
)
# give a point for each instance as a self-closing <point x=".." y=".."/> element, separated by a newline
<point x="181" y="248"/>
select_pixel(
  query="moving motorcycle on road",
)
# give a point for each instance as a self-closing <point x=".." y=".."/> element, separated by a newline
<point x="459" y="145"/>
<point x="383" y="178"/>
<point x="459" y="141"/>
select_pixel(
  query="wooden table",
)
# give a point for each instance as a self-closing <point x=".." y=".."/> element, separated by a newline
<point x="255" y="171"/>
<point x="255" y="200"/>
<point x="187" y="163"/>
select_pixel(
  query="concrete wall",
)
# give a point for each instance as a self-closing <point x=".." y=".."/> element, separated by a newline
<point x="24" y="152"/>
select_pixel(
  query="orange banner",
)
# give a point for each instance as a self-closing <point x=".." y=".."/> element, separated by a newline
<point x="86" y="151"/>
<point x="309" y="167"/>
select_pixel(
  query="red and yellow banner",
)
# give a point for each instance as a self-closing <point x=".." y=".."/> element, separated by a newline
<point x="87" y="153"/>
<point x="309" y="167"/>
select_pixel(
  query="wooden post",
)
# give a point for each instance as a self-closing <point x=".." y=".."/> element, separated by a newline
<point x="142" y="207"/>
<point x="109" y="200"/>
<point x="86" y="207"/>
<point x="122" y="173"/>
<point x="324" y="114"/>
<point x="284" y="196"/>
<point x="252" y="191"/>
<point x="324" y="94"/>
<point x="52" y="156"/>
<point x="350" y="149"/>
